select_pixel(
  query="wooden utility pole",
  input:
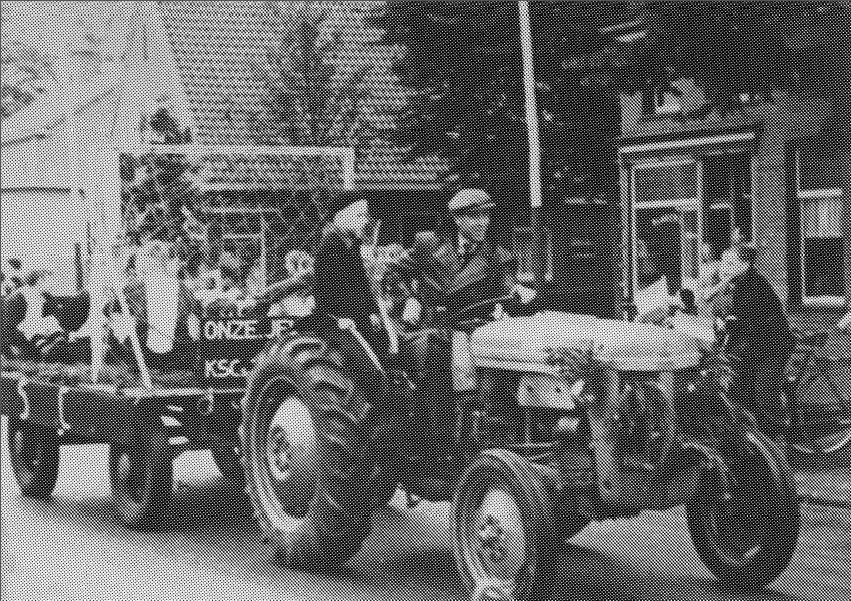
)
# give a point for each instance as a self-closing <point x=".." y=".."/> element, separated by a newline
<point x="535" y="196"/>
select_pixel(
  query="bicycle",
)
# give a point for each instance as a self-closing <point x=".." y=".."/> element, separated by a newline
<point x="825" y="430"/>
<point x="810" y="431"/>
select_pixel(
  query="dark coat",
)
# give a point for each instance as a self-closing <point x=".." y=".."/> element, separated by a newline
<point x="341" y="287"/>
<point x="489" y="272"/>
<point x="13" y="309"/>
<point x="761" y="331"/>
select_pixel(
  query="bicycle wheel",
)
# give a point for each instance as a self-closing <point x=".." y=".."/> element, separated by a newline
<point x="820" y="440"/>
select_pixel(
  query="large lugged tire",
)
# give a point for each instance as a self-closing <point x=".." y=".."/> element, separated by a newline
<point x="748" y="540"/>
<point x="308" y="453"/>
<point x="141" y="478"/>
<point x="504" y="528"/>
<point x="34" y="455"/>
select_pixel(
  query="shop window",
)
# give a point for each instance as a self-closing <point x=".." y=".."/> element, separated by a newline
<point x="819" y="195"/>
<point x="522" y="244"/>
<point x="667" y="244"/>
<point x="726" y="201"/>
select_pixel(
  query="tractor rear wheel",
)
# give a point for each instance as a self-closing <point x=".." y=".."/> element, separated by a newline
<point x="308" y="454"/>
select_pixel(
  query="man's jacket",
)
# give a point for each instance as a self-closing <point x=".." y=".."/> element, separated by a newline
<point x="488" y="272"/>
<point x="760" y="331"/>
<point x="341" y="287"/>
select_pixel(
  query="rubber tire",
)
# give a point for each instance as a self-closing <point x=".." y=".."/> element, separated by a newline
<point x="35" y="481"/>
<point x="338" y="517"/>
<point x="812" y="453"/>
<point x="777" y="551"/>
<point x="155" y="455"/>
<point x="229" y="463"/>
<point x="530" y="491"/>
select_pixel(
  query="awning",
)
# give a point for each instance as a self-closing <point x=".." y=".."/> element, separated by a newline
<point x="694" y="142"/>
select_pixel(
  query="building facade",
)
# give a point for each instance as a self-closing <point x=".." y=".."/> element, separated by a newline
<point x="769" y="173"/>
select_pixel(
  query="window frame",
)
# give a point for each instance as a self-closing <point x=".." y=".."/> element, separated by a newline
<point x="519" y="233"/>
<point x="811" y="194"/>
<point x="682" y="205"/>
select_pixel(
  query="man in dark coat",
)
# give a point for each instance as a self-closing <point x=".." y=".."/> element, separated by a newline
<point x="760" y="337"/>
<point x="470" y="267"/>
<point x="341" y="286"/>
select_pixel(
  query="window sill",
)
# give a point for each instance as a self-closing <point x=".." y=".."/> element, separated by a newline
<point x="823" y="302"/>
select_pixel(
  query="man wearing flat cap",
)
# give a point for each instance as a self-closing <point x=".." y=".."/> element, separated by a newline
<point x="473" y="266"/>
<point x="470" y="267"/>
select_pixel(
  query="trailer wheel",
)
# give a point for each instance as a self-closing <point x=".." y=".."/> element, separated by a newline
<point x="141" y="479"/>
<point x="307" y="440"/>
<point x="227" y="460"/>
<point x="34" y="455"/>
<point x="503" y="523"/>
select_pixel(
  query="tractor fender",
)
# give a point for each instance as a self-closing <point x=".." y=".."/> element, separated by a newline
<point x="362" y="361"/>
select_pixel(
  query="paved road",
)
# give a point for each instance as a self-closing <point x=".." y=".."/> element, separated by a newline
<point x="72" y="548"/>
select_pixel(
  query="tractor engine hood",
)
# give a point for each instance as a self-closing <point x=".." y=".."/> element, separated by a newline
<point x="534" y="343"/>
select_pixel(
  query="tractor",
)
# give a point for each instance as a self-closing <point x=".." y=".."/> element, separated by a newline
<point x="550" y="421"/>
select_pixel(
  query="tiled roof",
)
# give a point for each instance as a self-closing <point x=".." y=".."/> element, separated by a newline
<point x="383" y="167"/>
<point x="216" y="45"/>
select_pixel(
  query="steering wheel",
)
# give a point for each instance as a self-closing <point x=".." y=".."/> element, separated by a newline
<point x="458" y="317"/>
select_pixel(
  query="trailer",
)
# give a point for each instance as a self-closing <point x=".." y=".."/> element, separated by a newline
<point x="49" y="406"/>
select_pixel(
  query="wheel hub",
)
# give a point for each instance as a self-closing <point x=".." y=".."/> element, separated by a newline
<point x="280" y="455"/>
<point x="292" y="456"/>
<point x="498" y="538"/>
<point x="492" y="538"/>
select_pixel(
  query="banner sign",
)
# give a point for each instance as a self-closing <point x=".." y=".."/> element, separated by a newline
<point x="229" y="345"/>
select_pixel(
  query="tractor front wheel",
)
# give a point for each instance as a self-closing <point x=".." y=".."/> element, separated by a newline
<point x="504" y="528"/>
<point x="745" y="531"/>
